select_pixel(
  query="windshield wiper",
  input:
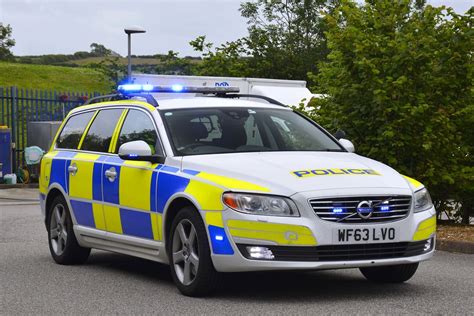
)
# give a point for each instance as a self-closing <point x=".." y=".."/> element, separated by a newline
<point x="331" y="150"/>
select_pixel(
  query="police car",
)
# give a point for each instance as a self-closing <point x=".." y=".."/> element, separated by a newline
<point x="218" y="183"/>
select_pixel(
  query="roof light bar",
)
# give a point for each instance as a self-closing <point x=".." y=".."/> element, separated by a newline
<point x="176" y="88"/>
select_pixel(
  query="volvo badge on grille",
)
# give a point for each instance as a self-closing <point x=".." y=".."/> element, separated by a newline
<point x="365" y="209"/>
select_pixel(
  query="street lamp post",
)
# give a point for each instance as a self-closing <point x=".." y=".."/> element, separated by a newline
<point x="129" y="31"/>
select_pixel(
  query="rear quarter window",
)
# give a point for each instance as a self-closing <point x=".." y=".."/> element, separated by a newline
<point x="73" y="129"/>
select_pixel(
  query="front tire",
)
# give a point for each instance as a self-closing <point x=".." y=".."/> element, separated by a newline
<point x="63" y="244"/>
<point x="390" y="274"/>
<point x="190" y="255"/>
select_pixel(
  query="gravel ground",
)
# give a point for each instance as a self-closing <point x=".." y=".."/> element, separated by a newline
<point x="456" y="232"/>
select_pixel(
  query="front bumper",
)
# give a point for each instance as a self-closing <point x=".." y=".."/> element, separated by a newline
<point x="310" y="234"/>
<point x="237" y="263"/>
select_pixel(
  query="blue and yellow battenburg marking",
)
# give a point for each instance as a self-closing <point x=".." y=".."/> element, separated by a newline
<point x="123" y="207"/>
<point x="333" y="172"/>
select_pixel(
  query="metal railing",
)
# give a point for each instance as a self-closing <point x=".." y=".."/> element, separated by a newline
<point x="19" y="106"/>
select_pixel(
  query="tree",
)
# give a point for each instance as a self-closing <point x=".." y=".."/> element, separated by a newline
<point x="112" y="69"/>
<point x="6" y="42"/>
<point x="171" y="64"/>
<point x="286" y="40"/>
<point x="399" y="80"/>
<point x="100" y="50"/>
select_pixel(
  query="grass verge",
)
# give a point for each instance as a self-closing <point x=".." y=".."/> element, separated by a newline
<point x="57" y="78"/>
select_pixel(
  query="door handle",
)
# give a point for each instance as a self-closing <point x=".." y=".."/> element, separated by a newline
<point x="72" y="169"/>
<point x="111" y="174"/>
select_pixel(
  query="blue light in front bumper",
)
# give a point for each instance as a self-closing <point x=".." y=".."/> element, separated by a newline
<point x="338" y="210"/>
<point x="220" y="243"/>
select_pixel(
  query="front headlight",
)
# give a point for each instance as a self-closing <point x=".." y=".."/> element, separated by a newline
<point x="422" y="200"/>
<point x="260" y="204"/>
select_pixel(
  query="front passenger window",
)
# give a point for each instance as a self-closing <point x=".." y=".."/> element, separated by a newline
<point x="138" y="126"/>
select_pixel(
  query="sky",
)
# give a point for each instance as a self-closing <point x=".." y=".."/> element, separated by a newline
<point x="67" y="26"/>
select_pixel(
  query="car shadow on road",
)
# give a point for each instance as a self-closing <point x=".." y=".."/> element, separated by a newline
<point x="276" y="286"/>
<point x="140" y="268"/>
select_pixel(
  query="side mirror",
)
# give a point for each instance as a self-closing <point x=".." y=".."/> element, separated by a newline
<point x="339" y="134"/>
<point x="138" y="151"/>
<point x="347" y="144"/>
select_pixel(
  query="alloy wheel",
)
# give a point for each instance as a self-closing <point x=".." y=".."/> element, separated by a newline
<point x="58" y="229"/>
<point x="185" y="252"/>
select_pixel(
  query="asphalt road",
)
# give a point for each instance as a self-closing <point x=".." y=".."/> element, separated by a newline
<point x="31" y="283"/>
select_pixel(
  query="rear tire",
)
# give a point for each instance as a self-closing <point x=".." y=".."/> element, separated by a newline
<point x="63" y="244"/>
<point x="189" y="253"/>
<point x="390" y="274"/>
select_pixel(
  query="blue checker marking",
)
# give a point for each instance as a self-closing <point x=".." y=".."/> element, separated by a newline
<point x="136" y="223"/>
<point x="83" y="213"/>
<point x="58" y="173"/>
<point x="219" y="241"/>
<point x="191" y="172"/>
<point x="97" y="179"/>
<point x="65" y="154"/>
<point x="153" y="190"/>
<point x="170" y="169"/>
<point x="111" y="189"/>
<point x="68" y="163"/>
<point x="115" y="159"/>
<point x="169" y="184"/>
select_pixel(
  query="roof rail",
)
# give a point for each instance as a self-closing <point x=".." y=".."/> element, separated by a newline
<point x="138" y="91"/>
<point x="118" y="96"/>
<point x="256" y="96"/>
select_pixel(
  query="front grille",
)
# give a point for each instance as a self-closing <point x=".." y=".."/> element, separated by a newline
<point x="344" y="252"/>
<point x="344" y="209"/>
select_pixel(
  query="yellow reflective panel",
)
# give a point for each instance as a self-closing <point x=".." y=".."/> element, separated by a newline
<point x="282" y="234"/>
<point x="135" y="184"/>
<point x="156" y="225"/>
<point x="232" y="183"/>
<point x="214" y="218"/>
<point x="413" y="182"/>
<point x="45" y="175"/>
<point x="80" y="184"/>
<point x="97" y="210"/>
<point x="132" y="103"/>
<point x="208" y="196"/>
<point x="425" y="229"/>
<point x="112" y="219"/>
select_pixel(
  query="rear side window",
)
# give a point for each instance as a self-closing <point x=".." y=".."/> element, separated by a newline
<point x="100" y="133"/>
<point x="138" y="126"/>
<point x="72" y="131"/>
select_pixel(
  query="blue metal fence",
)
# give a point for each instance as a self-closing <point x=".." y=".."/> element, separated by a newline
<point x="20" y="106"/>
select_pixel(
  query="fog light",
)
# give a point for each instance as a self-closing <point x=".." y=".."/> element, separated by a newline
<point x="260" y="253"/>
<point x="428" y="244"/>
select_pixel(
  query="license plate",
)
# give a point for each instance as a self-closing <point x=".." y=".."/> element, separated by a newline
<point x="364" y="235"/>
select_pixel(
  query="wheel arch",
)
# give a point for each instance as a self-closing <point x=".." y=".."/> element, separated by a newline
<point x="54" y="191"/>
<point x="174" y="205"/>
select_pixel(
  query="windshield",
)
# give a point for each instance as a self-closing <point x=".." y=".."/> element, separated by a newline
<point x="226" y="130"/>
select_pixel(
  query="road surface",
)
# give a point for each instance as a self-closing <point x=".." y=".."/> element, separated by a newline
<point x="31" y="283"/>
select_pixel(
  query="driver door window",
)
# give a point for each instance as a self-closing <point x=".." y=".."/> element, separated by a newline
<point x="138" y="126"/>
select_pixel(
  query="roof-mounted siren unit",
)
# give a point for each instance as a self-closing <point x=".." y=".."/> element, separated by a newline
<point x="176" y="88"/>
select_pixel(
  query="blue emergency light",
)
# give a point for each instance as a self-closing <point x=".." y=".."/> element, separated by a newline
<point x="338" y="210"/>
<point x="176" y="88"/>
